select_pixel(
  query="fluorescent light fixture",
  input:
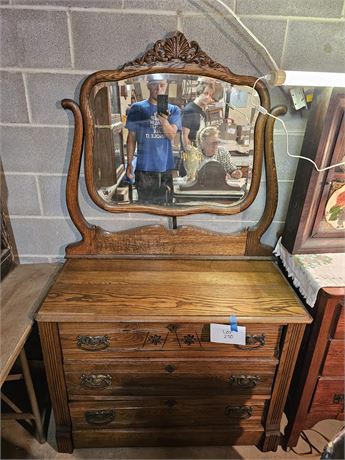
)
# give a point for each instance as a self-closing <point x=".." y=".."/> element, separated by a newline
<point x="297" y="78"/>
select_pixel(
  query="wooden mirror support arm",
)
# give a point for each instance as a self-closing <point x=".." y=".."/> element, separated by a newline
<point x="86" y="230"/>
<point x="254" y="247"/>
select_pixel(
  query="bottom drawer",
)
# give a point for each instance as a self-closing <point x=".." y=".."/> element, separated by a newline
<point x="165" y="412"/>
<point x="328" y="397"/>
<point x="208" y="436"/>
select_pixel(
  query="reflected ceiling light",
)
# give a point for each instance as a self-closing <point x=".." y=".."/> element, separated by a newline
<point x="299" y="78"/>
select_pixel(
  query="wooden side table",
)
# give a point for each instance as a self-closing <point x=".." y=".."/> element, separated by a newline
<point x="23" y="290"/>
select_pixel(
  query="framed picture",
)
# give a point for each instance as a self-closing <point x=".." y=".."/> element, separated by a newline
<point x="315" y="221"/>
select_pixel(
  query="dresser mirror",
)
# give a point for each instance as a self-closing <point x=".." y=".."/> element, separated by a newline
<point x="211" y="154"/>
<point x="202" y="155"/>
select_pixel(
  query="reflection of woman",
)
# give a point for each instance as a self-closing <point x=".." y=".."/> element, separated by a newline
<point x="208" y="142"/>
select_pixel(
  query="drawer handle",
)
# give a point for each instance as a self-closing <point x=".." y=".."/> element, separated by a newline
<point x="254" y="341"/>
<point x="338" y="398"/>
<point x="99" y="417"/>
<point x="239" y="411"/>
<point x="93" y="342"/>
<point x="244" y="381"/>
<point x="95" y="381"/>
<point x="189" y="339"/>
<point x="170" y="368"/>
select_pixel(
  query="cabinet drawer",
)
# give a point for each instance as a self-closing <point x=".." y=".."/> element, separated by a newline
<point x="328" y="397"/>
<point x="95" y="340"/>
<point x="173" y="377"/>
<point x="166" y="412"/>
<point x="334" y="363"/>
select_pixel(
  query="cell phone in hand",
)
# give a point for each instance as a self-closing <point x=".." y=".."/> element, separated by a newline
<point x="162" y="104"/>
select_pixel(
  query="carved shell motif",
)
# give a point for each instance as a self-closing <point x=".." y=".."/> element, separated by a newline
<point x="175" y="48"/>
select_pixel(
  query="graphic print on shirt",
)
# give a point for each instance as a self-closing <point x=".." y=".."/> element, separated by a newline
<point x="155" y="125"/>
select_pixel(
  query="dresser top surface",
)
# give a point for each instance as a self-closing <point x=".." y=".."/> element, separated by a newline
<point x="100" y="290"/>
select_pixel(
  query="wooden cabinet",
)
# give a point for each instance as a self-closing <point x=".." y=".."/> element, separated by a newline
<point x="317" y="390"/>
<point x="130" y="362"/>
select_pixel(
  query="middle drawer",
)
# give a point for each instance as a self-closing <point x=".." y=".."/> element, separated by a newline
<point x="131" y="377"/>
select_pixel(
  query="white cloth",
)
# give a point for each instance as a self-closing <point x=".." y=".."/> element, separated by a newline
<point x="311" y="272"/>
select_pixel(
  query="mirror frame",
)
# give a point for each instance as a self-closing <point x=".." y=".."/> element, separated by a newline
<point x="174" y="55"/>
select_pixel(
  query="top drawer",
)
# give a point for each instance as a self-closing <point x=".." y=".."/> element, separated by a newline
<point x="95" y="340"/>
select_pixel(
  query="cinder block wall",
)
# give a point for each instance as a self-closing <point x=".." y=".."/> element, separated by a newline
<point x="48" y="47"/>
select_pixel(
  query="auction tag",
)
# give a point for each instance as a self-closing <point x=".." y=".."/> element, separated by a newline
<point x="222" y="333"/>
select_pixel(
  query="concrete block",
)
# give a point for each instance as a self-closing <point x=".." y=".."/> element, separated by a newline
<point x="72" y="3"/>
<point x="307" y="8"/>
<point x="42" y="236"/>
<point x="45" y="94"/>
<point x="315" y="46"/>
<point x="53" y="194"/>
<point x="32" y="149"/>
<point x="198" y="6"/>
<point x="13" y="107"/>
<point x="22" y="195"/>
<point x="34" y="38"/>
<point x="108" y="40"/>
<point x="273" y="233"/>
<point x="286" y="166"/>
<point x="230" y="45"/>
<point x="35" y="260"/>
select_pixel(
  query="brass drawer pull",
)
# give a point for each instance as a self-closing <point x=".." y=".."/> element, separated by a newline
<point x="254" y="341"/>
<point x="239" y="411"/>
<point x="170" y="368"/>
<point x="338" y="398"/>
<point x="95" y="381"/>
<point x="99" y="417"/>
<point x="244" y="381"/>
<point x="93" y="342"/>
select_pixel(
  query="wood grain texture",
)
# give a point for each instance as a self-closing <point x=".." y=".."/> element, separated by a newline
<point x="52" y="356"/>
<point x="22" y="292"/>
<point x="318" y="352"/>
<point x="254" y="247"/>
<point x="138" y="290"/>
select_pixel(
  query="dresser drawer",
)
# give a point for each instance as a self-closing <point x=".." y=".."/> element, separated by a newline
<point x="173" y="377"/>
<point x="334" y="363"/>
<point x="95" y="340"/>
<point x="328" y="397"/>
<point x="166" y="412"/>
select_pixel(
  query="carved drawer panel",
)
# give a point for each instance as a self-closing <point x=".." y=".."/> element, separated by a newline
<point x="166" y="412"/>
<point x="334" y="363"/>
<point x="96" y="340"/>
<point x="328" y="397"/>
<point x="173" y="377"/>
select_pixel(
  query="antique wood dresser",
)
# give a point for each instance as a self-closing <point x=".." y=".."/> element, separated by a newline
<point x="125" y="330"/>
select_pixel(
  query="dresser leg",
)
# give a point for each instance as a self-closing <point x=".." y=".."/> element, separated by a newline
<point x="52" y="355"/>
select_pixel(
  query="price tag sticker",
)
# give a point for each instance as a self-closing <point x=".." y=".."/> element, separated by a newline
<point x="222" y="333"/>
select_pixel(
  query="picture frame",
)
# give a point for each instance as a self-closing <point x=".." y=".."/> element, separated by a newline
<point x="315" y="221"/>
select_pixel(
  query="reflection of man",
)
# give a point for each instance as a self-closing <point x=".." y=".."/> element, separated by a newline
<point x="194" y="117"/>
<point x="152" y="133"/>
<point x="208" y="142"/>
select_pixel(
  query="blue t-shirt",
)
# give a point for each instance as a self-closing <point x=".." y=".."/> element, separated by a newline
<point x="154" y="150"/>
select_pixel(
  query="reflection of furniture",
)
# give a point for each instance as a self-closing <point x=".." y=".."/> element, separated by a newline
<point x="306" y="229"/>
<point x="210" y="183"/>
<point x="125" y="330"/>
<point x="108" y="140"/>
<point x="22" y="292"/>
<point x="317" y="390"/>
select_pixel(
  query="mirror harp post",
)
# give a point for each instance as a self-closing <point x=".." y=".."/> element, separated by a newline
<point x="86" y="230"/>
<point x="254" y="247"/>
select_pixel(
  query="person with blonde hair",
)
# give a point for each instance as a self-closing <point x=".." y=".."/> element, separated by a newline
<point x="209" y="144"/>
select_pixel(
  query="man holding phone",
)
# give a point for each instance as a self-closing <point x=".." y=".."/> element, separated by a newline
<point x="152" y="125"/>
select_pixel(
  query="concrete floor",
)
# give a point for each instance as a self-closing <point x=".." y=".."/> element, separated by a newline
<point x="18" y="443"/>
